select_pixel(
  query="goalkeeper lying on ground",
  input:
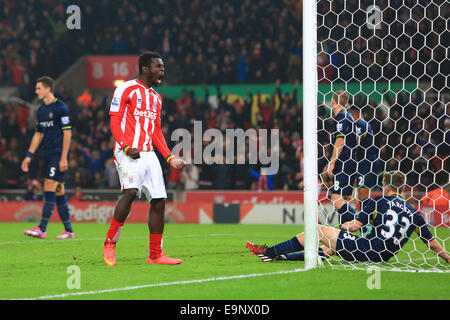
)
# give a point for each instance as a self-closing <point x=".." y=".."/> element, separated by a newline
<point x="392" y="220"/>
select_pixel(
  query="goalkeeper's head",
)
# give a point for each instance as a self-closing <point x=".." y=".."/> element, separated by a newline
<point x="393" y="182"/>
<point x="339" y="101"/>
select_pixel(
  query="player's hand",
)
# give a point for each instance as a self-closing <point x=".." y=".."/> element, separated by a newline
<point x="177" y="163"/>
<point x="327" y="176"/>
<point x="134" y="153"/>
<point x="63" y="165"/>
<point x="25" y="164"/>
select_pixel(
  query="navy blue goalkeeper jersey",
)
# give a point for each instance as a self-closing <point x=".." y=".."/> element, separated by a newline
<point x="366" y="148"/>
<point x="345" y="129"/>
<point x="393" y="221"/>
<point x="52" y="120"/>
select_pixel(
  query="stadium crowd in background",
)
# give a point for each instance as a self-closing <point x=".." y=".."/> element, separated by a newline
<point x="91" y="164"/>
<point x="209" y="42"/>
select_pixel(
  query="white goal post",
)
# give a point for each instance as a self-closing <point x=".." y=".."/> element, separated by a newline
<point x="310" y="133"/>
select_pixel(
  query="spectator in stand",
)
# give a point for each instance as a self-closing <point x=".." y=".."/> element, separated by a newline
<point x="174" y="181"/>
<point x="96" y="160"/>
<point x="437" y="196"/>
<point x="190" y="177"/>
<point x="34" y="191"/>
<point x="85" y="99"/>
<point x="110" y="176"/>
<point x="78" y="195"/>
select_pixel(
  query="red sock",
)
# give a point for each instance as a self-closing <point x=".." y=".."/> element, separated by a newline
<point x="155" y="245"/>
<point x="114" y="231"/>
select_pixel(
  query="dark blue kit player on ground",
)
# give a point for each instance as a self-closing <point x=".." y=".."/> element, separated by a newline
<point x="392" y="219"/>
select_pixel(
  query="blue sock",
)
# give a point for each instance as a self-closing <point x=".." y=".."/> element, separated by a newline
<point x="300" y="256"/>
<point x="346" y="213"/>
<point x="292" y="245"/>
<point x="47" y="210"/>
<point x="63" y="210"/>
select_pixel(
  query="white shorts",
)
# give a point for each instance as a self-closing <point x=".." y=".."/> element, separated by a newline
<point x="144" y="174"/>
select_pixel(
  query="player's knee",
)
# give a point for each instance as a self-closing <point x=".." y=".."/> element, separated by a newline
<point x="130" y="194"/>
<point x="158" y="204"/>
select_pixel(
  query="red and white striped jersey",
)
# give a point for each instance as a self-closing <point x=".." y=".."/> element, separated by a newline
<point x="135" y="118"/>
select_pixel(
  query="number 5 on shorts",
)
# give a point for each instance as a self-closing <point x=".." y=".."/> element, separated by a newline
<point x="52" y="171"/>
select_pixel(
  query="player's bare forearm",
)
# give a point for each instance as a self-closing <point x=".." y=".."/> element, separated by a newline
<point x="35" y="141"/>
<point x="437" y="248"/>
<point x="352" y="226"/>
<point x="67" y="137"/>
<point x="337" y="149"/>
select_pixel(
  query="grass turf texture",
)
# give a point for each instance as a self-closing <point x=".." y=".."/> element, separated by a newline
<point x="214" y="254"/>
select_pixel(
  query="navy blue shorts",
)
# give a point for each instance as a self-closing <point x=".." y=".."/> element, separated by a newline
<point x="344" y="178"/>
<point x="366" y="175"/>
<point x="52" y="169"/>
<point x="353" y="248"/>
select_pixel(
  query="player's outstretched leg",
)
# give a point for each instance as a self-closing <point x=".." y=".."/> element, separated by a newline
<point x="259" y="250"/>
<point x="156" y="228"/>
<point x="267" y="254"/>
<point x="298" y="256"/>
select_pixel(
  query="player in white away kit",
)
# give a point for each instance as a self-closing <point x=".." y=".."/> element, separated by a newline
<point x="136" y="127"/>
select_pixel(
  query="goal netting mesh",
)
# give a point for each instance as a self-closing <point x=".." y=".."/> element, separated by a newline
<point x="392" y="58"/>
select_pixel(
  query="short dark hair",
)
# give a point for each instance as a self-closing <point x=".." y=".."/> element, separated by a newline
<point x="146" y="58"/>
<point x="47" y="82"/>
<point x="395" y="180"/>
<point x="354" y="108"/>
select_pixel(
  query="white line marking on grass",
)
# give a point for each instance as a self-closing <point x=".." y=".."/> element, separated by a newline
<point x="244" y="276"/>
<point x="123" y="237"/>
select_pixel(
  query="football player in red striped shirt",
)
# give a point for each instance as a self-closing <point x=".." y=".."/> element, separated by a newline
<point x="136" y="126"/>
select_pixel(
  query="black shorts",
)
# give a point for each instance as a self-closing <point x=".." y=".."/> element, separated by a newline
<point x="344" y="178"/>
<point x="52" y="168"/>
<point x="353" y="248"/>
<point x="366" y="176"/>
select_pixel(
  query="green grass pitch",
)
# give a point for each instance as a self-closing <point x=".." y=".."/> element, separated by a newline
<point x="216" y="266"/>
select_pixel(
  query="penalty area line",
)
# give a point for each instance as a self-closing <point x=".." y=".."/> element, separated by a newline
<point x="165" y="284"/>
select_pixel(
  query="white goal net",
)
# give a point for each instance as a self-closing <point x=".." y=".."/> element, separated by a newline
<point x="391" y="58"/>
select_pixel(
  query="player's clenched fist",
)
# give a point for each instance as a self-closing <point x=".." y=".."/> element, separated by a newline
<point x="133" y="153"/>
<point x="25" y="164"/>
<point x="63" y="165"/>
<point x="177" y="163"/>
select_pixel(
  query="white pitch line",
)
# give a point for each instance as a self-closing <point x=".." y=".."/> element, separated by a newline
<point x="244" y="276"/>
<point x="43" y="241"/>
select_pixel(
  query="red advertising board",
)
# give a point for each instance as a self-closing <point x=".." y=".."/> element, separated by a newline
<point x="97" y="211"/>
<point x="104" y="71"/>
